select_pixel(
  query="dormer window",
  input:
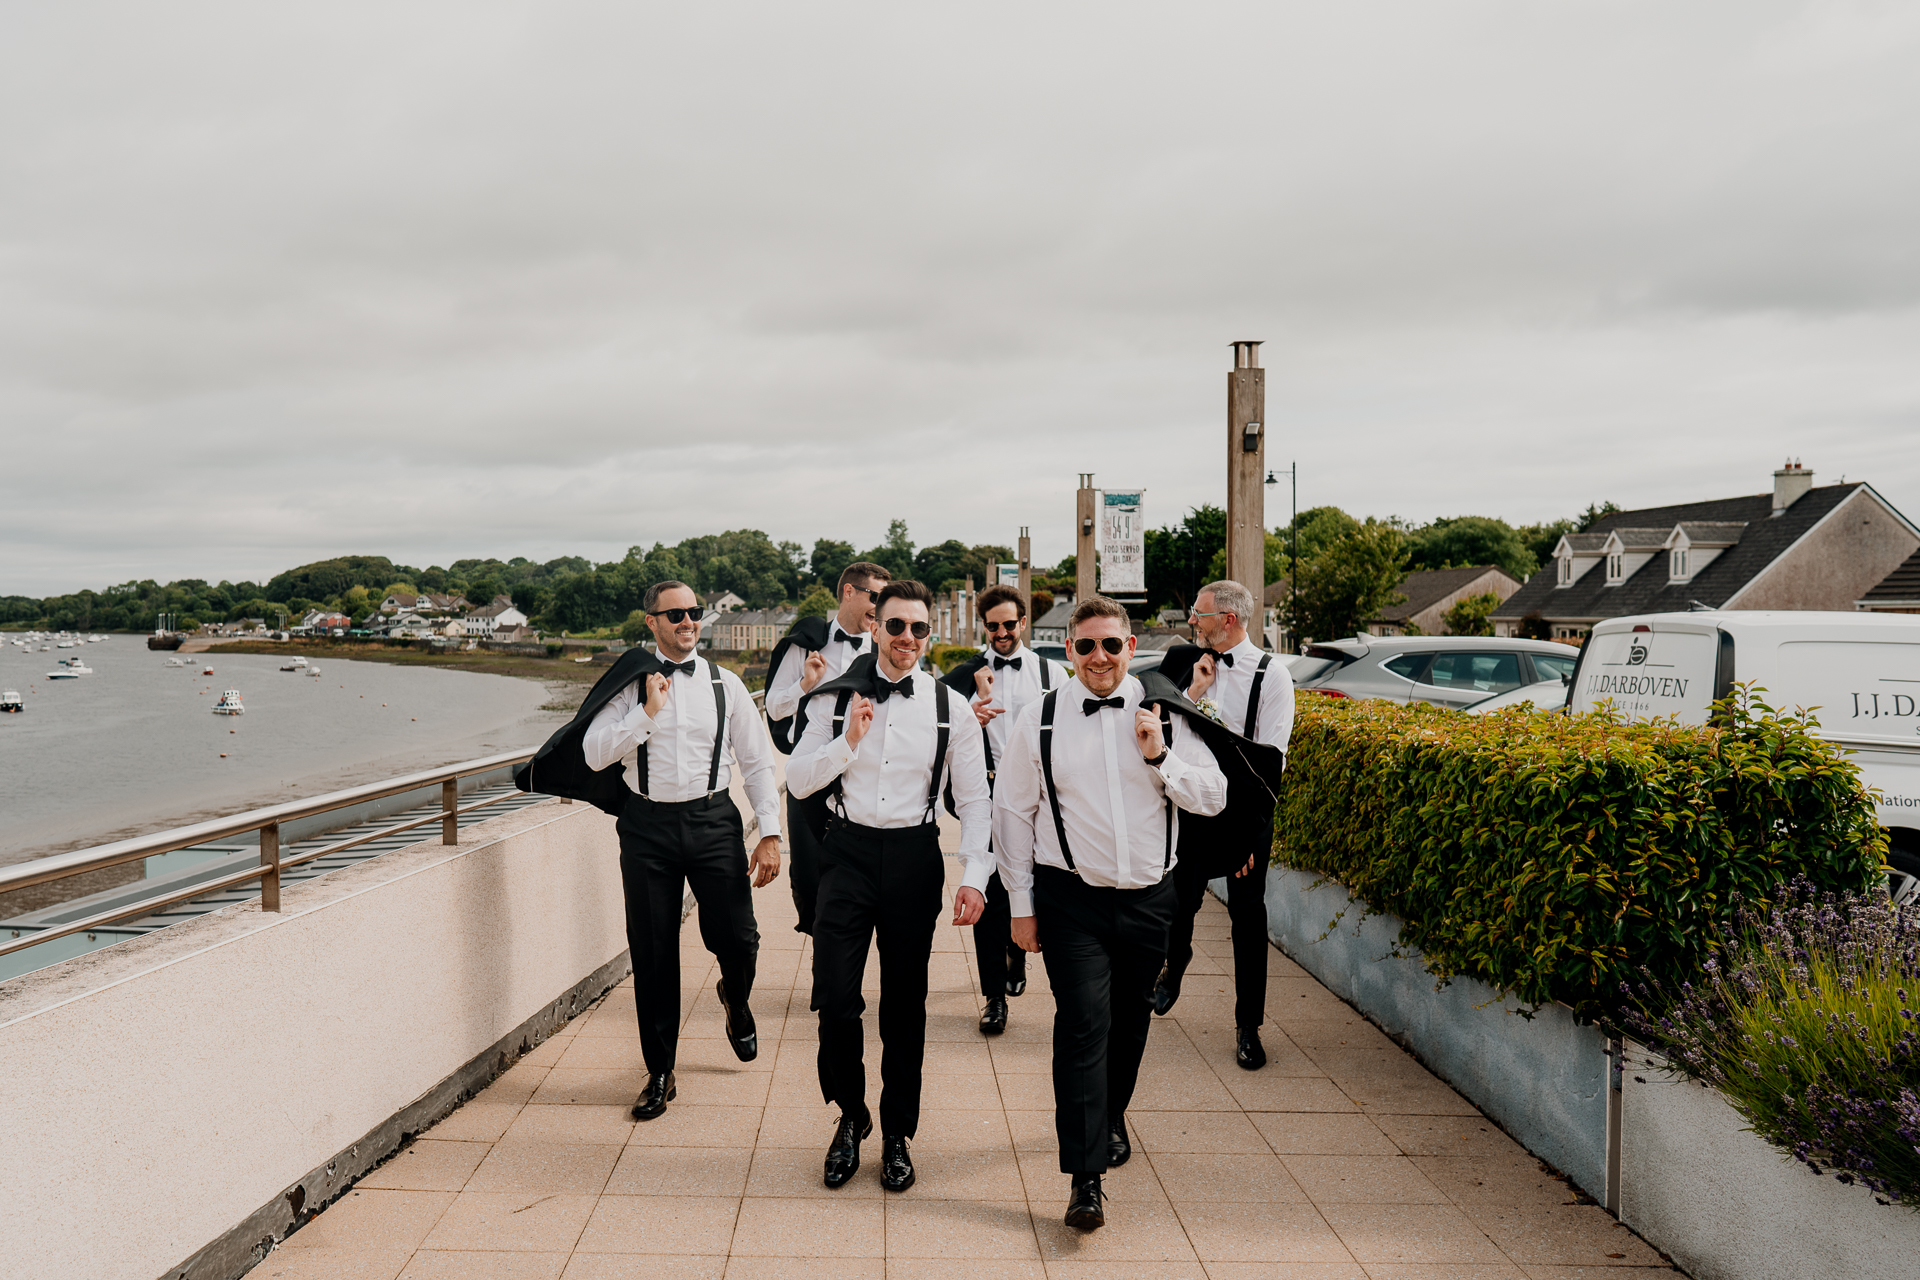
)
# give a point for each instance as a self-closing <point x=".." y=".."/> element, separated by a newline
<point x="1616" y="568"/>
<point x="1565" y="564"/>
<point x="1677" y="564"/>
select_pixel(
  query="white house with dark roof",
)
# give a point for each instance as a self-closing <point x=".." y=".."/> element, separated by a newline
<point x="496" y="616"/>
<point x="1799" y="547"/>
<point x="1429" y="593"/>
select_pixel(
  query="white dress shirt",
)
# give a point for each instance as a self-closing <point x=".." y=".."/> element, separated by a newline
<point x="783" y="686"/>
<point x="1014" y="688"/>
<point x="884" y="780"/>
<point x="1112" y="802"/>
<point x="1233" y="685"/>
<point x="680" y="742"/>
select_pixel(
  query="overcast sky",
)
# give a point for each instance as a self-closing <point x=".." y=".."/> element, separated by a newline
<point x="431" y="280"/>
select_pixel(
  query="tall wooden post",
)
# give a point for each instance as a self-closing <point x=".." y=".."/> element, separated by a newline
<point x="1083" y="532"/>
<point x="973" y="625"/>
<point x="1247" y="469"/>
<point x="1026" y="568"/>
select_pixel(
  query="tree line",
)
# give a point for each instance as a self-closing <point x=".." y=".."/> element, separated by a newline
<point x="1349" y="570"/>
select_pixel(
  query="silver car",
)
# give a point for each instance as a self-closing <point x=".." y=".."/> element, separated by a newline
<point x="1450" y="671"/>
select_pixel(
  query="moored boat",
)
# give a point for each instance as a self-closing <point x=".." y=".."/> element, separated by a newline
<point x="10" y="702"/>
<point x="229" y="704"/>
<point x="165" y="640"/>
<point x="298" y="664"/>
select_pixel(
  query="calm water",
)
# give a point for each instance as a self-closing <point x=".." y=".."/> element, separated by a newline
<point x="135" y="747"/>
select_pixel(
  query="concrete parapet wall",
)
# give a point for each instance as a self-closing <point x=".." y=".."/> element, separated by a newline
<point x="1727" y="1206"/>
<point x="1541" y="1079"/>
<point x="156" y="1094"/>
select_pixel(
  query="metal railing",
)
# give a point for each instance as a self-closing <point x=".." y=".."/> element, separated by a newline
<point x="267" y="822"/>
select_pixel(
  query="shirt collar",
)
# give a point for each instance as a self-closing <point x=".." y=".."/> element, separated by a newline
<point x="1129" y="688"/>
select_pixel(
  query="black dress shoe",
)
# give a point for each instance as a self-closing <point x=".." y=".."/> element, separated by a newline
<point x="1166" y="992"/>
<point x="655" y="1097"/>
<point x="1249" y="1053"/>
<point x="994" y="1020"/>
<point x="843" y="1157"/>
<point x="896" y="1166"/>
<point x="1118" y="1148"/>
<point x="1084" y="1208"/>
<point x="1016" y="971"/>
<point x="741" y="1032"/>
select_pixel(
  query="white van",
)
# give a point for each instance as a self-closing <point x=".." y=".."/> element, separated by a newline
<point x="1859" y="673"/>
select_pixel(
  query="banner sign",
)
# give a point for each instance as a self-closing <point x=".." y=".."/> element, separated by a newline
<point x="1007" y="575"/>
<point x="1123" y="542"/>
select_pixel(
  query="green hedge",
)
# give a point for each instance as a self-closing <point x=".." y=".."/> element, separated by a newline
<point x="948" y="656"/>
<point x="1552" y="857"/>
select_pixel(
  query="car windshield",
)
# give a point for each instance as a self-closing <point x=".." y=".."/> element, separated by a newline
<point x="1480" y="672"/>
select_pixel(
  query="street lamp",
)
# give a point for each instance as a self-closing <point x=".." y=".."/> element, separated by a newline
<point x="1293" y="548"/>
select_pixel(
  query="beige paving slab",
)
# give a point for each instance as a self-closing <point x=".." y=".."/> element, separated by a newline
<point x="512" y="1222"/>
<point x="773" y="1227"/>
<point x="660" y="1224"/>
<point x="1241" y="1232"/>
<point x="373" y="1220"/>
<point x="1285" y="1271"/>
<point x="918" y="1227"/>
<point x="333" y="1264"/>
<point x="429" y="1164"/>
<point x="440" y="1264"/>
<point x="1563" y="1235"/>
<point x="681" y="1171"/>
<point x="653" y="1266"/>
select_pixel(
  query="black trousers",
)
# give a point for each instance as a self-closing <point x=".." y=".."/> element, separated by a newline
<point x="993" y="948"/>
<point x="1103" y="949"/>
<point x="803" y="866"/>
<point x="664" y="848"/>
<point x="1247" y="909"/>
<point x="890" y="883"/>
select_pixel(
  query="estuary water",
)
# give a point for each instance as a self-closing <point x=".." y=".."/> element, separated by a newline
<point x="135" y="747"/>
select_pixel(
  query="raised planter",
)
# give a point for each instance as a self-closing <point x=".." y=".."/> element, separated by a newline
<point x="1725" y="1205"/>
<point x="1542" y="1079"/>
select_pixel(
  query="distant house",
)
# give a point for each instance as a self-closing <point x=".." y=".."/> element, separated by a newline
<point x="722" y="602"/>
<point x="1051" y="628"/>
<point x="322" y="622"/>
<point x="413" y="626"/>
<point x="401" y="602"/>
<point x="1799" y="547"/>
<point x="1431" y="592"/>
<point x="485" y="622"/>
<point x="740" y="630"/>
<point x="520" y="633"/>
<point x="1898" y="592"/>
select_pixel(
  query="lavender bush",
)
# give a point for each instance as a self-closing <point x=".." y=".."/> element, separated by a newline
<point x="1803" y="1019"/>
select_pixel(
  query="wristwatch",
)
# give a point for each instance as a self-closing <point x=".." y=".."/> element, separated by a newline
<point x="1157" y="761"/>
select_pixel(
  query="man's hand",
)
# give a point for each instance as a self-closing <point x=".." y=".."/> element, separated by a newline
<point x="986" y="713"/>
<point x="1248" y="869"/>
<point x="983" y="682"/>
<point x="1146" y="733"/>
<point x="1026" y="934"/>
<point x="859" y="719"/>
<point x="813" y="671"/>
<point x="766" y="861"/>
<point x="1203" y="673"/>
<point x="967" y="905"/>
<point x="657" y="687"/>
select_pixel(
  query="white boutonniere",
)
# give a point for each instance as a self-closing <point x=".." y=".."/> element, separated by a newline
<point x="1210" y="709"/>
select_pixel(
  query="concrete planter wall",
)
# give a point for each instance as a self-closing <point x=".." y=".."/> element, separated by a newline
<point x="1727" y="1206"/>
<point x="1541" y="1079"/>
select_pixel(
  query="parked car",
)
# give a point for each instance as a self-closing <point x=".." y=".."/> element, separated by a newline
<point x="1547" y="695"/>
<point x="1451" y="671"/>
<point x="1048" y="649"/>
<point x="1858" y="672"/>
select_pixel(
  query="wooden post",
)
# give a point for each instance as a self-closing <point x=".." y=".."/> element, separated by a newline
<point x="1026" y="568"/>
<point x="1084" y="529"/>
<point x="1246" y="469"/>
<point x="973" y="623"/>
<point x="449" y="802"/>
<point x="270" y="857"/>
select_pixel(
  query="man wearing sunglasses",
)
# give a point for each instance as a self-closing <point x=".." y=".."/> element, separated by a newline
<point x="817" y="649"/>
<point x="1254" y="692"/>
<point x="672" y="730"/>
<point x="1001" y="681"/>
<point x="1085" y="829"/>
<point x="877" y="747"/>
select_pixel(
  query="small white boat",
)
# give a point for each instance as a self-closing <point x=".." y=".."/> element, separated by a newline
<point x="313" y="669"/>
<point x="10" y="702"/>
<point x="64" y="673"/>
<point x="229" y="704"/>
<point x="298" y="664"/>
<point x="178" y="662"/>
<point x="78" y="667"/>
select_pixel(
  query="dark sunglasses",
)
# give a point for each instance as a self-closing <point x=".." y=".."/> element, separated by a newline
<point x="1112" y="644"/>
<point x="873" y="597"/>
<point x="898" y="626"/>
<point x="675" y="615"/>
<point x="995" y="626"/>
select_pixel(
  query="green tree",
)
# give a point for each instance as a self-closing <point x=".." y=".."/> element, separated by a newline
<point x="1468" y="616"/>
<point x="1541" y="539"/>
<point x="829" y="560"/>
<point x="1276" y="563"/>
<point x="635" y="630"/>
<point x="818" y="602"/>
<point x="1458" y="541"/>
<point x="895" y="555"/>
<point x="1179" y="556"/>
<point x="1349" y="581"/>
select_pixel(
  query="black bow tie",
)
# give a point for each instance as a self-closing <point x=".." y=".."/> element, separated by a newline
<point x="884" y="688"/>
<point x="1225" y="659"/>
<point x="852" y="642"/>
<point x="1092" y="705"/>
<point x="999" y="662"/>
<point x="684" y="668"/>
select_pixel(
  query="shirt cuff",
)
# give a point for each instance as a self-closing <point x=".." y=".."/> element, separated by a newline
<point x="1019" y="902"/>
<point x="768" y="822"/>
<point x="980" y="868"/>
<point x="639" y="723"/>
<point x="1173" y="768"/>
<point x="841" y="752"/>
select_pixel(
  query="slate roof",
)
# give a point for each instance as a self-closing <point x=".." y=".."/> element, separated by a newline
<point x="1647" y="591"/>
<point x="1902" y="584"/>
<point x="1424" y="587"/>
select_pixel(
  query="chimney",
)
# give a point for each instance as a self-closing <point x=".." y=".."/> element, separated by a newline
<point x="1790" y="484"/>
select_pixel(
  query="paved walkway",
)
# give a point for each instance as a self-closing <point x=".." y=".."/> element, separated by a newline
<point x="1341" y="1160"/>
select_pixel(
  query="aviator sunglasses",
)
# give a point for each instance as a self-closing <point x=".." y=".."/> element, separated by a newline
<point x="994" y="627"/>
<point x="675" y="615"/>
<point x="898" y="626"/>
<point x="1112" y="644"/>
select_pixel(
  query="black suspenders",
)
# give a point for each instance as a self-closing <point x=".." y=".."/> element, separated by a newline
<point x="944" y="725"/>
<point x="1253" y="698"/>
<point x="719" y="735"/>
<point x="1047" y="704"/>
<point x="1046" y="686"/>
